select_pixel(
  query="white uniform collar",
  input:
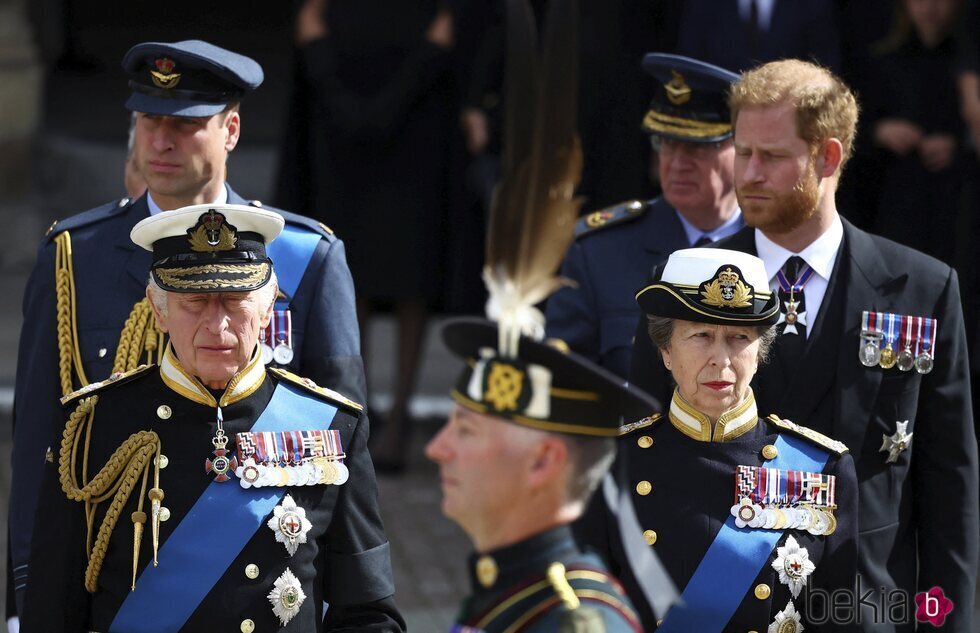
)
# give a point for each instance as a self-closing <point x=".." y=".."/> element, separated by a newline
<point x="243" y="384"/>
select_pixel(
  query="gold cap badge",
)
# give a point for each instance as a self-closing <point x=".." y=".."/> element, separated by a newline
<point x="678" y="92"/>
<point x="164" y="75"/>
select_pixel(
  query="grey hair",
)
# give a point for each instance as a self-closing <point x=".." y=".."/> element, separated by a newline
<point x="590" y="459"/>
<point x="266" y="297"/>
<point x="660" y="329"/>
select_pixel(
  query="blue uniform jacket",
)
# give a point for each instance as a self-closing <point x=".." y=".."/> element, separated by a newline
<point x="609" y="261"/>
<point x="110" y="274"/>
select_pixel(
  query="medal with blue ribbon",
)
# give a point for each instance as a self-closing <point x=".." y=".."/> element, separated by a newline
<point x="791" y="315"/>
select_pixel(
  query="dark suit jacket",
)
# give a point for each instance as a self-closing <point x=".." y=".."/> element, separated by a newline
<point x="713" y="31"/>
<point x="922" y="510"/>
<point x="609" y="264"/>
<point x="110" y="273"/>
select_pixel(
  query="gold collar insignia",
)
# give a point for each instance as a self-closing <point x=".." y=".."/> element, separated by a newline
<point x="694" y="424"/>
<point x="243" y="384"/>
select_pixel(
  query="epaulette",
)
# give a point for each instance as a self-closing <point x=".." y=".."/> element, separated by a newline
<point x="610" y="216"/>
<point x="115" y="379"/>
<point x="86" y="218"/>
<point x="299" y="220"/>
<point x="650" y="420"/>
<point x="312" y="387"/>
<point x="835" y="446"/>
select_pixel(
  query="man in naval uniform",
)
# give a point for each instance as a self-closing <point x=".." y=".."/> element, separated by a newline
<point x="871" y="350"/>
<point x="528" y="440"/>
<point x="616" y="249"/>
<point x="84" y="317"/>
<point x="210" y="492"/>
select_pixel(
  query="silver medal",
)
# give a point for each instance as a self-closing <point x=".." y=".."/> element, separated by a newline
<point x="870" y="352"/>
<point x="924" y="363"/>
<point x="906" y="360"/>
<point x="283" y="354"/>
<point x="267" y="354"/>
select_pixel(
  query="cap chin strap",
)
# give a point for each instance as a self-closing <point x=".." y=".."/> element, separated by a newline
<point x="540" y="378"/>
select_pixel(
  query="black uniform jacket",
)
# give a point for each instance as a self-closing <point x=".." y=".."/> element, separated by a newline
<point x="918" y="525"/>
<point x="345" y="561"/>
<point x="689" y="486"/>
<point x="525" y="587"/>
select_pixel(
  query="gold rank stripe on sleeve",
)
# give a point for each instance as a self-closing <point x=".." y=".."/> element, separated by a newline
<point x="323" y="392"/>
<point x="835" y="446"/>
<point x="95" y="387"/>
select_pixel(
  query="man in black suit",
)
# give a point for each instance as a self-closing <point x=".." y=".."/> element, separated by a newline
<point x="903" y="407"/>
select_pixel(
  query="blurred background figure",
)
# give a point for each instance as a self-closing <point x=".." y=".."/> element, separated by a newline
<point x="374" y="109"/>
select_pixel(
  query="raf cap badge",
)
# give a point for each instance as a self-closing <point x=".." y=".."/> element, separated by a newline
<point x="678" y="92"/>
<point x="164" y="75"/>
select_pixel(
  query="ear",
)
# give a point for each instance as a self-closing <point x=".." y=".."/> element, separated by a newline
<point x="233" y="128"/>
<point x="829" y="158"/>
<point x="665" y="356"/>
<point x="159" y="316"/>
<point x="266" y="317"/>
<point x="547" y="461"/>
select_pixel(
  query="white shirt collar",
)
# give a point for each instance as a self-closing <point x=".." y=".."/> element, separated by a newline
<point x="730" y="227"/>
<point x="155" y="208"/>
<point x="820" y="255"/>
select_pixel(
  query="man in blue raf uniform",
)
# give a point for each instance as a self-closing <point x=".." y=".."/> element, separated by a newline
<point x="616" y="249"/>
<point x="85" y="315"/>
<point x="871" y="349"/>
<point x="529" y="439"/>
<point x="211" y="492"/>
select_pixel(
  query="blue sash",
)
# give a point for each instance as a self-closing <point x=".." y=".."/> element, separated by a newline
<point x="213" y="533"/>
<point x="291" y="253"/>
<point x="736" y="556"/>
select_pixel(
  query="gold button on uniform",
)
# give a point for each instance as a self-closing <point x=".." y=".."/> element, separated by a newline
<point x="643" y="488"/>
<point x="252" y="571"/>
<point x="769" y="451"/>
<point x="164" y="514"/>
<point x="650" y="537"/>
<point x="247" y="626"/>
<point x="762" y="591"/>
<point x="164" y="412"/>
<point x="644" y="441"/>
<point x="163" y="461"/>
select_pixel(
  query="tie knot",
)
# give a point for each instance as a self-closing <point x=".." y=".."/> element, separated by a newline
<point x="792" y="268"/>
<point x="704" y="240"/>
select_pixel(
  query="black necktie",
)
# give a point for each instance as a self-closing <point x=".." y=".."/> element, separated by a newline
<point x="704" y="240"/>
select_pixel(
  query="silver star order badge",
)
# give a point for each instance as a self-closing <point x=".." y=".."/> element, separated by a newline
<point x="799" y="318"/>
<point x="793" y="565"/>
<point x="286" y="596"/>
<point x="289" y="523"/>
<point x="787" y="621"/>
<point x="896" y="443"/>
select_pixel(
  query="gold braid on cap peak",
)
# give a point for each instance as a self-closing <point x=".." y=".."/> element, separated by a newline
<point x="116" y="479"/>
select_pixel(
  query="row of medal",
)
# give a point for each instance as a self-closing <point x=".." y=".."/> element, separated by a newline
<point x="777" y="499"/>
<point x="279" y="459"/>
<point x="893" y="340"/>
<point x="276" y="340"/>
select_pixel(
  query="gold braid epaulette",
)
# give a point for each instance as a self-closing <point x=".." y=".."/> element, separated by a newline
<point x="140" y="335"/>
<point x="68" y="353"/>
<point x="116" y="480"/>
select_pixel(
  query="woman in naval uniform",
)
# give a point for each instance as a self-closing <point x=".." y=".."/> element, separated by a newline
<point x="752" y="517"/>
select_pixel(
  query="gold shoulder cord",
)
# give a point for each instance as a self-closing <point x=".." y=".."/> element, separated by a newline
<point x="140" y="335"/>
<point x="68" y="351"/>
<point x="115" y="480"/>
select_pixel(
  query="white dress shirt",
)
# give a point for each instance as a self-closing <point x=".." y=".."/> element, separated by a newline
<point x="730" y="227"/>
<point x="155" y="208"/>
<point x="820" y="255"/>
